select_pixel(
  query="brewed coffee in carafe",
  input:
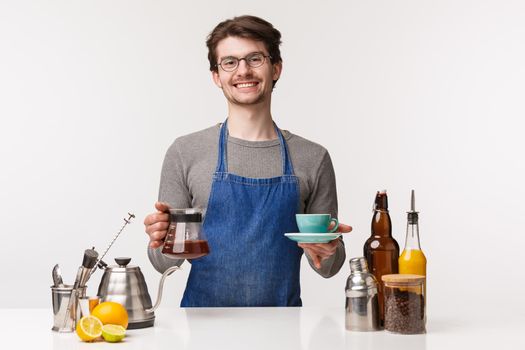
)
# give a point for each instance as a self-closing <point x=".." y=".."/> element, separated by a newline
<point x="185" y="238"/>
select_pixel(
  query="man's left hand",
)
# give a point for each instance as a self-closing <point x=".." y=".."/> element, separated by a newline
<point x="320" y="251"/>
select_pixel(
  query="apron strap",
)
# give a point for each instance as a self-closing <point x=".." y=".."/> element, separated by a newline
<point x="287" y="161"/>
<point x="222" y="166"/>
<point x="222" y="162"/>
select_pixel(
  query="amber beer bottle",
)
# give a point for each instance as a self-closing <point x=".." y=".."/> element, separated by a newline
<point x="381" y="249"/>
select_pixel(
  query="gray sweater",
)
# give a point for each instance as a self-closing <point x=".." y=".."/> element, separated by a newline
<point x="191" y="161"/>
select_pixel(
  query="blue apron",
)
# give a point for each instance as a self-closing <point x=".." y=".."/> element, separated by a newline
<point x="251" y="262"/>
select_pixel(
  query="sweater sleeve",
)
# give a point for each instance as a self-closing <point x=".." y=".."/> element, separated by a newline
<point x="323" y="199"/>
<point x="173" y="190"/>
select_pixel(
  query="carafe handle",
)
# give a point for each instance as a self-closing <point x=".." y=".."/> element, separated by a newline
<point x="161" y="285"/>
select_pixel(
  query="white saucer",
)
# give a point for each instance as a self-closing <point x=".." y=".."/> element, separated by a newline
<point x="312" y="237"/>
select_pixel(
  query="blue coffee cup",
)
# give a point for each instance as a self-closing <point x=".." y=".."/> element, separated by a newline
<point x="315" y="223"/>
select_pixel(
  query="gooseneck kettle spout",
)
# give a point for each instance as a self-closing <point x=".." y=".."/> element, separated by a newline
<point x="166" y="273"/>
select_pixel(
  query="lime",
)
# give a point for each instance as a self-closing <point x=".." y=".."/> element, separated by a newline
<point x="113" y="333"/>
<point x="89" y="328"/>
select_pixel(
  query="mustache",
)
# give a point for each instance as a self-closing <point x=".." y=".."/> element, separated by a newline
<point x="245" y="79"/>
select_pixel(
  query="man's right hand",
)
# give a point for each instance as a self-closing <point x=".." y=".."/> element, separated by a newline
<point x="157" y="224"/>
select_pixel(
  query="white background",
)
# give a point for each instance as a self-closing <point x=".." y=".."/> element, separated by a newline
<point x="424" y="95"/>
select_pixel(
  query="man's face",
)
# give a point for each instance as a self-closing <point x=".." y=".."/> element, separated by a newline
<point x="245" y="85"/>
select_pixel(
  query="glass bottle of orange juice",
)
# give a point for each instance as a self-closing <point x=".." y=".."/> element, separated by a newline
<point x="412" y="259"/>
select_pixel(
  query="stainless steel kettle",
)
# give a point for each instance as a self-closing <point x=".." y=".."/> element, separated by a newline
<point x="126" y="285"/>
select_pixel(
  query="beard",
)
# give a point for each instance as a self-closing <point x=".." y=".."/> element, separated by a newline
<point x="246" y="101"/>
<point x="243" y="100"/>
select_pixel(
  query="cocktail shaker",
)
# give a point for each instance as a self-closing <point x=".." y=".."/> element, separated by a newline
<point x="362" y="305"/>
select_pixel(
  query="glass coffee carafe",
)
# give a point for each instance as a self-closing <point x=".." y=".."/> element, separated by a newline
<point x="185" y="238"/>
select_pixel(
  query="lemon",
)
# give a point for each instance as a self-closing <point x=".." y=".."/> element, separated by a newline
<point x="110" y="312"/>
<point x="113" y="333"/>
<point x="89" y="328"/>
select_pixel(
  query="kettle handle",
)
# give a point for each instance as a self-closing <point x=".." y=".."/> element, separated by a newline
<point x="161" y="285"/>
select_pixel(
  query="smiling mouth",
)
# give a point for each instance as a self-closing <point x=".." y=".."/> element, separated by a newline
<point x="246" y="85"/>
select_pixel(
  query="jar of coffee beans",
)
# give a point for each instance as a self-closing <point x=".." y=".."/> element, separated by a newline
<point x="404" y="301"/>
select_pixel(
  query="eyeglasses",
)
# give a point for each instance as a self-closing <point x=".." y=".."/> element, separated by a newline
<point x="254" y="60"/>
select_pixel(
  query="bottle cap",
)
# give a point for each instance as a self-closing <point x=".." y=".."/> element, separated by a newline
<point x="358" y="265"/>
<point x="381" y="201"/>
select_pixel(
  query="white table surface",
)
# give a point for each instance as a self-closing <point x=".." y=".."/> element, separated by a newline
<point x="266" y="328"/>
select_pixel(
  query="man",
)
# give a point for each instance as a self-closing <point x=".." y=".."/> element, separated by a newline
<point x="251" y="178"/>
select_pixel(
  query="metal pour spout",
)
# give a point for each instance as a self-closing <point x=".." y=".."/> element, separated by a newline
<point x="413" y="215"/>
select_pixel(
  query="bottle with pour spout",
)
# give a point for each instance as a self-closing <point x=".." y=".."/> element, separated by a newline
<point x="413" y="260"/>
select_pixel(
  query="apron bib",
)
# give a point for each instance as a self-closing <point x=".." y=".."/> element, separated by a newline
<point x="251" y="262"/>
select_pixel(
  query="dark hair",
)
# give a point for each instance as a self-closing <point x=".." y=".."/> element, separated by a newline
<point x="249" y="27"/>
